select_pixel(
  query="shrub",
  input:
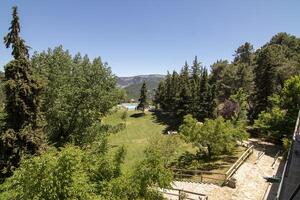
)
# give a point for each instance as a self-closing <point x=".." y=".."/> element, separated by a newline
<point x="215" y="136"/>
<point x="53" y="175"/>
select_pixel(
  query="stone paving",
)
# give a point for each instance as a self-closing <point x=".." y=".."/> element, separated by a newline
<point x="251" y="184"/>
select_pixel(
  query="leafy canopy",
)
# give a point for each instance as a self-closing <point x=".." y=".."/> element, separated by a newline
<point x="78" y="93"/>
<point x="215" y="137"/>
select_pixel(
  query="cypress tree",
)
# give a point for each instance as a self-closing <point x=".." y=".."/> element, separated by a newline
<point x="143" y="104"/>
<point x="22" y="133"/>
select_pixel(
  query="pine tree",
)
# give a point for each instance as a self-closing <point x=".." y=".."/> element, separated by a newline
<point x="243" y="60"/>
<point x="159" y="95"/>
<point x="165" y="102"/>
<point x="143" y="104"/>
<point x="196" y="70"/>
<point x="269" y="60"/>
<point x="244" y="54"/>
<point x="22" y="133"/>
<point x="173" y="97"/>
<point x="184" y="96"/>
<point x="219" y="77"/>
<point x="204" y="93"/>
<point x="211" y="102"/>
<point x="194" y="84"/>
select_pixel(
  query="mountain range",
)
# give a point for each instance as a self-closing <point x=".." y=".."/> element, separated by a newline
<point x="133" y="84"/>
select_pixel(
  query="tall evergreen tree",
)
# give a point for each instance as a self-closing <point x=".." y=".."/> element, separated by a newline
<point x="223" y="77"/>
<point x="194" y="84"/>
<point x="174" y="93"/>
<point x="160" y="94"/>
<point x="244" y="61"/>
<point x="244" y="54"/>
<point x="204" y="92"/>
<point x="143" y="103"/>
<point x="184" y="96"/>
<point x="211" y="101"/>
<point x="22" y="133"/>
<point x="196" y="70"/>
<point x="269" y="60"/>
<point x="165" y="103"/>
<point x="290" y="43"/>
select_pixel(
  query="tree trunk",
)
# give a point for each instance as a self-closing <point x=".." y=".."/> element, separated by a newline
<point x="209" y="151"/>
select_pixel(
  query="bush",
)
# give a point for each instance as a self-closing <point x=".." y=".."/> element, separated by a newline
<point x="271" y="123"/>
<point x="54" y="175"/>
<point x="165" y="146"/>
<point x="215" y="136"/>
<point x="286" y="144"/>
<point x="90" y="173"/>
<point x="117" y="128"/>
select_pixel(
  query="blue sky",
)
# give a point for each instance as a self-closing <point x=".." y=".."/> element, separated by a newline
<point x="150" y="36"/>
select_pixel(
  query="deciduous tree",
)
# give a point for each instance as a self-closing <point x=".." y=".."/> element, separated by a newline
<point x="78" y="93"/>
<point x="213" y="136"/>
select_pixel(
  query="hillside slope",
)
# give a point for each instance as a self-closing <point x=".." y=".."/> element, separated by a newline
<point x="132" y="85"/>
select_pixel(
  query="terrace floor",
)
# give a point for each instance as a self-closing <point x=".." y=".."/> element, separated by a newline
<point x="251" y="184"/>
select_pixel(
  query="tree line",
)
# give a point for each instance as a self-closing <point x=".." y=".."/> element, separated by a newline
<point x="260" y="74"/>
<point x="187" y="92"/>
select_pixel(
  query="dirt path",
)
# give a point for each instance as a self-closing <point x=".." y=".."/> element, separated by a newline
<point x="250" y="182"/>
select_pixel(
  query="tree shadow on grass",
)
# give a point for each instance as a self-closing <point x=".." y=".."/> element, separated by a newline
<point x="185" y="160"/>
<point x="165" y="118"/>
<point x="137" y="115"/>
<point x="229" y="159"/>
<point x="200" y="161"/>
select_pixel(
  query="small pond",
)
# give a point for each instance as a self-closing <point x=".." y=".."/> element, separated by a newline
<point x="130" y="106"/>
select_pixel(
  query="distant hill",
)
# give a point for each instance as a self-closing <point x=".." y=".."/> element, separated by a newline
<point x="133" y="84"/>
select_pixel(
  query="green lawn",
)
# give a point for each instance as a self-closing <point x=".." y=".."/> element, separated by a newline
<point x="140" y="129"/>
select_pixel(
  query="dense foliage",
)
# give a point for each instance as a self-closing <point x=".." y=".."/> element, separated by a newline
<point x="90" y="173"/>
<point x="22" y="132"/>
<point x="259" y="75"/>
<point x="78" y="163"/>
<point x="215" y="137"/>
<point x="280" y="120"/>
<point x="77" y="93"/>
<point x="187" y="93"/>
<point x="53" y="145"/>
<point x="143" y="100"/>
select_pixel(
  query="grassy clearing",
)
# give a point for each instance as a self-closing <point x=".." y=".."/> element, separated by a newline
<point x="139" y="130"/>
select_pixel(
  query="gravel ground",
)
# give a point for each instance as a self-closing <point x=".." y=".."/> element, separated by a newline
<point x="250" y="182"/>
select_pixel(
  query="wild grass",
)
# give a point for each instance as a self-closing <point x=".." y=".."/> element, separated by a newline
<point x="140" y="129"/>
